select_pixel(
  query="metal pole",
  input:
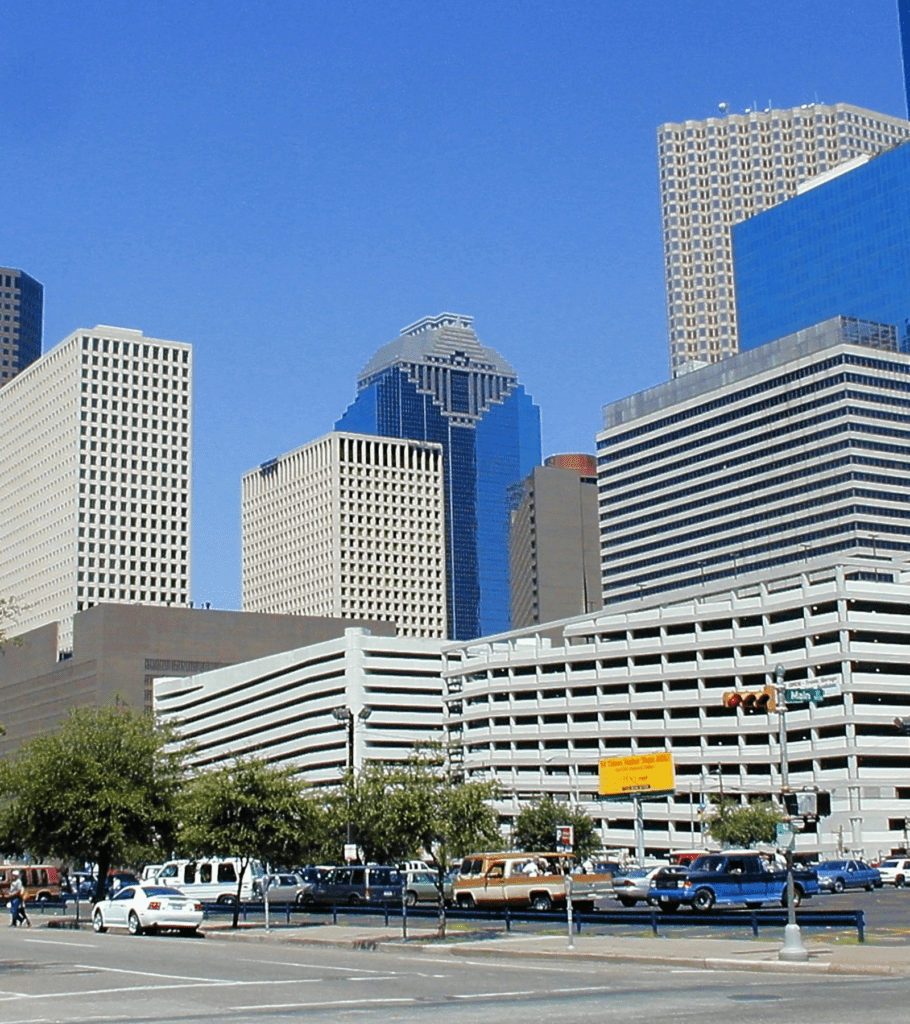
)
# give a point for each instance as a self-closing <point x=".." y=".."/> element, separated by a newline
<point x="793" y="948"/>
<point x="639" y="831"/>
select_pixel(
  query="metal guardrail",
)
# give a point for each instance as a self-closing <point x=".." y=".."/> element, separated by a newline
<point x="651" y="917"/>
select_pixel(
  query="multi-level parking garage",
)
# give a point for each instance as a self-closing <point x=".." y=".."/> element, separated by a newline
<point x="537" y="710"/>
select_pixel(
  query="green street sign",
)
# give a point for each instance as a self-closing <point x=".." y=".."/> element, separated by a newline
<point x="803" y="694"/>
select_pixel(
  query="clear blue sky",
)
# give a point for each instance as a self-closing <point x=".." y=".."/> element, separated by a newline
<point x="287" y="184"/>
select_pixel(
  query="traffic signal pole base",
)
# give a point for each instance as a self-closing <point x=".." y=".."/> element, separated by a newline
<point x="793" y="948"/>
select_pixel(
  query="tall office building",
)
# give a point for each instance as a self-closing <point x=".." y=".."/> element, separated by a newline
<point x="21" y="317"/>
<point x="718" y="172"/>
<point x="95" y="472"/>
<point x="904" y="9"/>
<point x="436" y="382"/>
<point x="840" y="247"/>
<point x="790" y="455"/>
<point x="348" y="526"/>
<point x="554" y="542"/>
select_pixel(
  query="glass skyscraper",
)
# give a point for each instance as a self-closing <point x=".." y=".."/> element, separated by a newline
<point x="904" y="8"/>
<point x="436" y="382"/>
<point x="839" y="248"/>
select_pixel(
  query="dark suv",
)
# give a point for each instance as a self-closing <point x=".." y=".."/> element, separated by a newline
<point x="357" y="884"/>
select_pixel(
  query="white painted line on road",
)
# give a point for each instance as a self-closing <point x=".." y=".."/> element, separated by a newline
<point x="116" y="991"/>
<point x="314" y="967"/>
<point x="57" y="942"/>
<point x="153" y="974"/>
<point x="526" y="992"/>
<point x="582" y="968"/>
<point x="319" y="1006"/>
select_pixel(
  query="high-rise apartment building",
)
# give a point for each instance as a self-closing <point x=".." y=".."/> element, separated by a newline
<point x="720" y="171"/>
<point x="840" y="247"/>
<point x="348" y="526"/>
<point x="436" y="382"/>
<point x="789" y="455"/>
<point x="95" y="474"/>
<point x="554" y="542"/>
<point x="21" y="318"/>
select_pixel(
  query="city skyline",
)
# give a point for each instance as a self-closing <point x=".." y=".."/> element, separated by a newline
<point x="282" y="191"/>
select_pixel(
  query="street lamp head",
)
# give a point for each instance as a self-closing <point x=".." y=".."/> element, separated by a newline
<point x="364" y="713"/>
<point x="342" y="714"/>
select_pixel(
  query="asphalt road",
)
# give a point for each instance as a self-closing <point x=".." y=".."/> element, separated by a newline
<point x="82" y="978"/>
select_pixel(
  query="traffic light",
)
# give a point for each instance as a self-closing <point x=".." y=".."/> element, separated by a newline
<point x="764" y="699"/>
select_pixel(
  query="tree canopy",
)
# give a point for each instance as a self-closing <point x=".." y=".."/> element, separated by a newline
<point x="738" y="825"/>
<point x="249" y="810"/>
<point x="535" y="827"/>
<point x="102" y="789"/>
<point x="397" y="812"/>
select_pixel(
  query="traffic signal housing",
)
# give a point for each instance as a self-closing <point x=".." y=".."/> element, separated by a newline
<point x="764" y="699"/>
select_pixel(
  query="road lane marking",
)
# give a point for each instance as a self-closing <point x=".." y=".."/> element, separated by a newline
<point x="533" y="994"/>
<point x="58" y="942"/>
<point x="332" y="1002"/>
<point x="314" y="967"/>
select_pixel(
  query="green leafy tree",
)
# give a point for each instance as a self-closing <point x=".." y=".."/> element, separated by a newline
<point x="744" y="825"/>
<point x="535" y="827"/>
<point x="102" y="789"/>
<point x="248" y="810"/>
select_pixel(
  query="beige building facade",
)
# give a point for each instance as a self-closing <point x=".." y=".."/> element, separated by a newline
<point x="349" y="526"/>
<point x="95" y="477"/>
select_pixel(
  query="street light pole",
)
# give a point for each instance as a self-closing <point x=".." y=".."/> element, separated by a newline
<point x="346" y="715"/>
<point x="793" y="948"/>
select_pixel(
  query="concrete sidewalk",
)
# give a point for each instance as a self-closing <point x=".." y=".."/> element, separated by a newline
<point x="825" y="957"/>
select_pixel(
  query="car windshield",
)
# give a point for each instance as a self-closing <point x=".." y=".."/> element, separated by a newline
<point x="890" y="863"/>
<point x="160" y="890"/>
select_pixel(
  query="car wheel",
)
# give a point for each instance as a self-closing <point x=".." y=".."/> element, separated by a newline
<point x="797" y="896"/>
<point x="838" y="885"/>
<point x="870" y="887"/>
<point x="410" y="899"/>
<point x="44" y="897"/>
<point x="899" y="882"/>
<point x="227" y="901"/>
<point x="98" y="922"/>
<point x="541" y="901"/>
<point x="189" y="932"/>
<point x="132" y="923"/>
<point x="703" y="901"/>
<point x="668" y="906"/>
<point x="354" y="900"/>
<point x="465" y="901"/>
<point x="627" y="901"/>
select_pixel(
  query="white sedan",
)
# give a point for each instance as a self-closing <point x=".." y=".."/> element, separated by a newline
<point x="141" y="908"/>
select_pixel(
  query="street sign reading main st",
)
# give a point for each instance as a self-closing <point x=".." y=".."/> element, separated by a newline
<point x="815" y="690"/>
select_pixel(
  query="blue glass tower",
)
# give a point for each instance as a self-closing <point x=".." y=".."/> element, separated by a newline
<point x="903" y="7"/>
<point x="840" y="248"/>
<point x="436" y="382"/>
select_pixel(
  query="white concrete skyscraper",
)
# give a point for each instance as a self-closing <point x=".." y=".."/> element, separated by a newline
<point x="95" y="475"/>
<point x="720" y="171"/>
<point x="348" y="526"/>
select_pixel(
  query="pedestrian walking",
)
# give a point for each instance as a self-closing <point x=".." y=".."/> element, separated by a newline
<point x="17" y="902"/>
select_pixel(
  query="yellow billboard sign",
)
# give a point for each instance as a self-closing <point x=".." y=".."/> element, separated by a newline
<point x="639" y="774"/>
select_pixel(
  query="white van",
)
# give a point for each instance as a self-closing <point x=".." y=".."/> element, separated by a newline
<point x="212" y="879"/>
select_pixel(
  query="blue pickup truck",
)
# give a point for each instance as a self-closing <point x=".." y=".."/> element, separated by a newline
<point x="721" y="879"/>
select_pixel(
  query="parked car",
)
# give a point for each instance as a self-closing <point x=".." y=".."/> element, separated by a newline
<point x="635" y="884"/>
<point x="838" y="875"/>
<point x="212" y="879"/>
<point x="39" y="881"/>
<point x="421" y="887"/>
<point x="526" y="880"/>
<point x="141" y="908"/>
<point x="283" y="888"/>
<point x="895" y="871"/>
<point x="356" y="884"/>
<point x="729" y="878"/>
